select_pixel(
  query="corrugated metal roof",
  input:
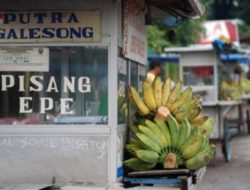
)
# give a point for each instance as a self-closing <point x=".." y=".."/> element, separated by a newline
<point x="194" y="48"/>
<point x="184" y="8"/>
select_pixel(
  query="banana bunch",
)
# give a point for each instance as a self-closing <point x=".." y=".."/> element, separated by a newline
<point x="162" y="99"/>
<point x="168" y="144"/>
<point x="245" y="85"/>
<point x="230" y="91"/>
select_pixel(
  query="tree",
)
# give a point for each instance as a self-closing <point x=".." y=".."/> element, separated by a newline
<point x="161" y="36"/>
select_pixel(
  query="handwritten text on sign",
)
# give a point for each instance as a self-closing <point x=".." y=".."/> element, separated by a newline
<point x="50" y="26"/>
<point x="64" y="143"/>
<point x="70" y="85"/>
<point x="134" y="32"/>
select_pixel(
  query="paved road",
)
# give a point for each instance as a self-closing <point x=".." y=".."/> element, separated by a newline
<point x="230" y="176"/>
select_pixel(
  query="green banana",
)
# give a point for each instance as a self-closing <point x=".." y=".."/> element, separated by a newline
<point x="190" y="140"/>
<point x="157" y="88"/>
<point x="184" y="97"/>
<point x="194" y="148"/>
<point x="150" y="134"/>
<point x="150" y="144"/>
<point x="134" y="129"/>
<point x="211" y="149"/>
<point x="175" y="94"/>
<point x="147" y="156"/>
<point x="149" y="97"/>
<point x="140" y="105"/>
<point x="174" y="130"/>
<point x="185" y="131"/>
<point x="138" y="165"/>
<point x="201" y="160"/>
<point x="132" y="148"/>
<point x="166" y="91"/>
<point x="205" y="143"/>
<point x="164" y="129"/>
<point x="137" y="142"/>
<point x="156" y="130"/>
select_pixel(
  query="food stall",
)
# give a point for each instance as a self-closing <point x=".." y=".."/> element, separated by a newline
<point x="201" y="68"/>
<point x="242" y="61"/>
<point x="64" y="68"/>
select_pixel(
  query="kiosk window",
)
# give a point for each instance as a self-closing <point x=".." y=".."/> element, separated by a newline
<point x="134" y="74"/>
<point x="74" y="91"/>
<point x="122" y="91"/>
<point x="198" y="76"/>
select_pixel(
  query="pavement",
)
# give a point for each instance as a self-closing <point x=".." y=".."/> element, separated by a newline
<point x="234" y="175"/>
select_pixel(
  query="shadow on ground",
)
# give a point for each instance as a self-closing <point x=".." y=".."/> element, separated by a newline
<point x="230" y="176"/>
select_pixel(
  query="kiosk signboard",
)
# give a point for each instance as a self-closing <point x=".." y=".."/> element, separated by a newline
<point x="50" y="26"/>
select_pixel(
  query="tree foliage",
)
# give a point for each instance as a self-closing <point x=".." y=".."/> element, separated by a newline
<point x="161" y="36"/>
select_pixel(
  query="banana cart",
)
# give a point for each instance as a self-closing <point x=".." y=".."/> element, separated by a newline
<point x="243" y="60"/>
<point x="200" y="68"/>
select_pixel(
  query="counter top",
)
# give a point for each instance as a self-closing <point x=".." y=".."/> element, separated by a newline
<point x="221" y="103"/>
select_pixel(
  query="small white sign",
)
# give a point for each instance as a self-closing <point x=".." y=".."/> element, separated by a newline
<point x="134" y="31"/>
<point x="23" y="59"/>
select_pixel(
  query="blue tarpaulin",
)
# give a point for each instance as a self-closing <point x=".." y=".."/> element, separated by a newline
<point x="164" y="58"/>
<point x="241" y="58"/>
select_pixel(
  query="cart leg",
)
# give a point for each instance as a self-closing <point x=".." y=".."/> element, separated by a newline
<point x="184" y="185"/>
<point x="248" y="122"/>
<point x="240" y="118"/>
<point x="227" y="142"/>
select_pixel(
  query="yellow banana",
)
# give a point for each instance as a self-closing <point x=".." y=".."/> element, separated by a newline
<point x="166" y="91"/>
<point x="141" y="106"/>
<point x="149" y="96"/>
<point x="180" y="117"/>
<point x="194" y="113"/>
<point x="175" y="94"/>
<point x="184" y="97"/>
<point x="208" y="127"/>
<point x="200" y="120"/>
<point x="157" y="88"/>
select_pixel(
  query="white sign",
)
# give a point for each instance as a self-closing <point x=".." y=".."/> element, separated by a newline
<point x="50" y="26"/>
<point x="24" y="59"/>
<point x="216" y="29"/>
<point x="134" y="32"/>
